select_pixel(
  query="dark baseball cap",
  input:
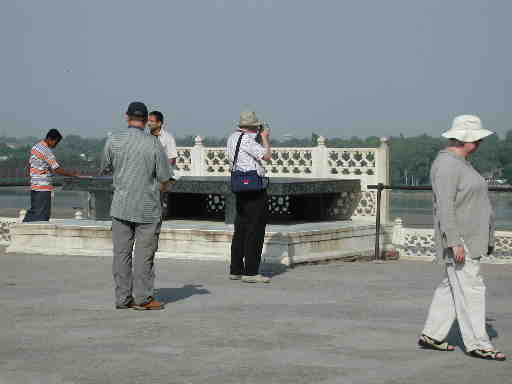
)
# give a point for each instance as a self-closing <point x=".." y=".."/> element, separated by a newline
<point x="137" y="109"/>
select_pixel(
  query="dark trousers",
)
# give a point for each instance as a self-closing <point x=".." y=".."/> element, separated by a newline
<point x="40" y="206"/>
<point x="250" y="222"/>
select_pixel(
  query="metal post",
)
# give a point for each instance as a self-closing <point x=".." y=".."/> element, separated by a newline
<point x="380" y="188"/>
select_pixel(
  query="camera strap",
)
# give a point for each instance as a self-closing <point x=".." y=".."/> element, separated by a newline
<point x="237" y="151"/>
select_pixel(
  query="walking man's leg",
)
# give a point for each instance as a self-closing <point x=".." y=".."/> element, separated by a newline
<point x="123" y="237"/>
<point x="146" y="243"/>
<point x="441" y="314"/>
<point x="469" y="295"/>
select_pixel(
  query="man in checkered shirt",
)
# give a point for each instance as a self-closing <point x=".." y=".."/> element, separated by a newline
<point x="140" y="171"/>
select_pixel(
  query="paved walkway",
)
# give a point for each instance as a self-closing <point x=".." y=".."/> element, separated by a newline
<point x="333" y="323"/>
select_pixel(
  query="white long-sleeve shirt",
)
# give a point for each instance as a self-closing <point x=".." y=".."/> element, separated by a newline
<point x="169" y="144"/>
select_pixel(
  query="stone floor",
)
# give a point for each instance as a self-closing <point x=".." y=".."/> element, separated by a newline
<point x="331" y="323"/>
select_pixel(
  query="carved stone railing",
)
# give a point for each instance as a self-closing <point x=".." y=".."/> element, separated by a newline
<point x="6" y="223"/>
<point x="370" y="165"/>
<point x="418" y="244"/>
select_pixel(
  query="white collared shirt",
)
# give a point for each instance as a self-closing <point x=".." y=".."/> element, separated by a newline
<point x="251" y="153"/>
<point x="169" y="144"/>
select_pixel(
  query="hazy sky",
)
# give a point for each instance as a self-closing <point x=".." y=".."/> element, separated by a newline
<point x="334" y="67"/>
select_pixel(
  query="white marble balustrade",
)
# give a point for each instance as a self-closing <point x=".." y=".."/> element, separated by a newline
<point x="418" y="244"/>
<point x="370" y="165"/>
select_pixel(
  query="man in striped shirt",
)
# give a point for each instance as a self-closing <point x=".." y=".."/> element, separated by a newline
<point x="140" y="171"/>
<point x="43" y="166"/>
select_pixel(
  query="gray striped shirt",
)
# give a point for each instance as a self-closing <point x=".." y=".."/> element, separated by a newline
<point x="139" y="165"/>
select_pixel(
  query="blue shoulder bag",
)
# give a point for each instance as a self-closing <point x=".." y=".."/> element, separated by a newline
<point x="248" y="181"/>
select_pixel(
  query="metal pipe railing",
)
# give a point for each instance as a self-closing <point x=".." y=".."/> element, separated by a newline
<point x="380" y="187"/>
<point x="24" y="181"/>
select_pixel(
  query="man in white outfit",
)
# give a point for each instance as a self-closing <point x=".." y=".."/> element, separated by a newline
<point x="155" y="124"/>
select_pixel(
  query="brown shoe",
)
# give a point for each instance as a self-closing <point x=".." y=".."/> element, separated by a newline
<point x="151" y="305"/>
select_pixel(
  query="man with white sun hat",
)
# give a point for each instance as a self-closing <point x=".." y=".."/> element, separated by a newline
<point x="464" y="232"/>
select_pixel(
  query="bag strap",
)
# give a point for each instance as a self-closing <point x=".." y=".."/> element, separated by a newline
<point x="237" y="150"/>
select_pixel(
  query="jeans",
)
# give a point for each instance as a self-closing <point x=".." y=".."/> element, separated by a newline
<point x="40" y="206"/>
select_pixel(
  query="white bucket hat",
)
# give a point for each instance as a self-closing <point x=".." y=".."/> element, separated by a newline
<point x="249" y="119"/>
<point x="467" y="128"/>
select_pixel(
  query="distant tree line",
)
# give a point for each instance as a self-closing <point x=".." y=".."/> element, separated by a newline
<point x="411" y="157"/>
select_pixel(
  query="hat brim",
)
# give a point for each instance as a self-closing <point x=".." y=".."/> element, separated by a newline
<point x="253" y="124"/>
<point x="467" y="136"/>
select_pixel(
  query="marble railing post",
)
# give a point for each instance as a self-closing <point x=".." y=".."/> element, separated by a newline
<point x="398" y="232"/>
<point x="382" y="164"/>
<point x="197" y="157"/>
<point x="319" y="160"/>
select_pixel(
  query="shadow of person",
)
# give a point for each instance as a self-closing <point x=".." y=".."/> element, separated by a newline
<point x="491" y="331"/>
<point x="171" y="295"/>
<point x="276" y="248"/>
<point x="454" y="336"/>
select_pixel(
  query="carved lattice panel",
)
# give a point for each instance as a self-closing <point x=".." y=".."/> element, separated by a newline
<point x="290" y="162"/>
<point x="416" y="243"/>
<point x="351" y="162"/>
<point x="215" y="203"/>
<point x="344" y="205"/>
<point x="279" y="205"/>
<point x="184" y="160"/>
<point x="502" y="248"/>
<point x="367" y="205"/>
<point x="420" y="243"/>
<point x="216" y="162"/>
<point x="5" y="230"/>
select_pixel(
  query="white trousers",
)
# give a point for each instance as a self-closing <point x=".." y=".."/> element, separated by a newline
<point x="461" y="296"/>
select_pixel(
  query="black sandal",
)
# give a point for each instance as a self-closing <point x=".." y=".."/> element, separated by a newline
<point x="429" y="343"/>
<point x="488" y="355"/>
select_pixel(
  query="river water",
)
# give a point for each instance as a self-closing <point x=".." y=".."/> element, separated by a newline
<point x="415" y="208"/>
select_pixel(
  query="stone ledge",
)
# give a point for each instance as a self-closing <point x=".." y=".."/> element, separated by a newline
<point x="284" y="244"/>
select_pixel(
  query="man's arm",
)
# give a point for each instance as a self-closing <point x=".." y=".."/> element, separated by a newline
<point x="172" y="152"/>
<point x="63" y="172"/>
<point x="260" y="151"/>
<point x="56" y="168"/>
<point x="444" y="183"/>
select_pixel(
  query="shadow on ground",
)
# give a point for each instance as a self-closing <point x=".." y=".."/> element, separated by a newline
<point x="454" y="337"/>
<point x="171" y="295"/>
